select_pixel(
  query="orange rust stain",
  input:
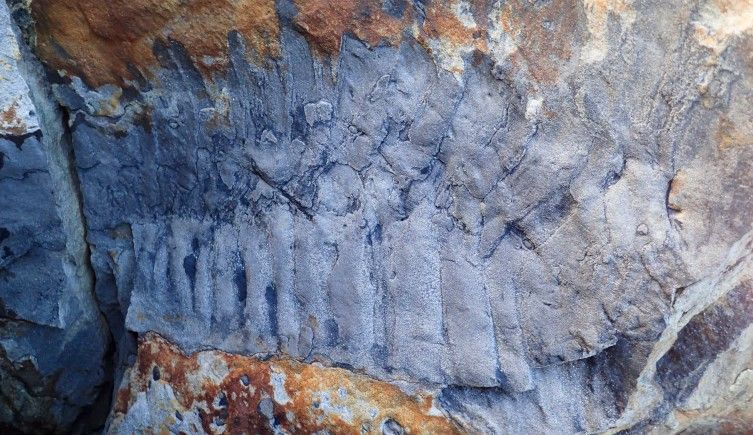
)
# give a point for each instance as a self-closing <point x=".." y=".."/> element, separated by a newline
<point x="317" y="398"/>
<point x="10" y="122"/>
<point x="105" y="42"/>
<point x="113" y="42"/>
<point x="544" y="33"/>
<point x="437" y="27"/>
<point x="442" y="23"/>
<point x="121" y="400"/>
<point x="324" y="22"/>
<point x="172" y="370"/>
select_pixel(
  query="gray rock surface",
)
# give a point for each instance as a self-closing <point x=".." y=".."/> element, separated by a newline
<point x="551" y="238"/>
<point x="53" y="339"/>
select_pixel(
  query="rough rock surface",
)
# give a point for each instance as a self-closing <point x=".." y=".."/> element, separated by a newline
<point x="53" y="339"/>
<point x="539" y="214"/>
<point x="219" y="392"/>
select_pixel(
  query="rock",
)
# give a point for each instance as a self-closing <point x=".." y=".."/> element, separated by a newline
<point x="18" y="117"/>
<point x="53" y="340"/>
<point x="206" y="393"/>
<point x="319" y="112"/>
<point x="537" y="213"/>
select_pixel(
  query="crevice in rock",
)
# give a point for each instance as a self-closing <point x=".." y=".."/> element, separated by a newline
<point x="271" y="183"/>
<point x="94" y="415"/>
<point x="649" y="403"/>
<point x="86" y="321"/>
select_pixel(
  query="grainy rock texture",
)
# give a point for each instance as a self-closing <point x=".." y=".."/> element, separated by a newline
<point x="382" y="216"/>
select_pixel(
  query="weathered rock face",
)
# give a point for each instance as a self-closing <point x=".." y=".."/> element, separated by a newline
<point x="507" y="217"/>
<point x="53" y="338"/>
<point x="219" y="392"/>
